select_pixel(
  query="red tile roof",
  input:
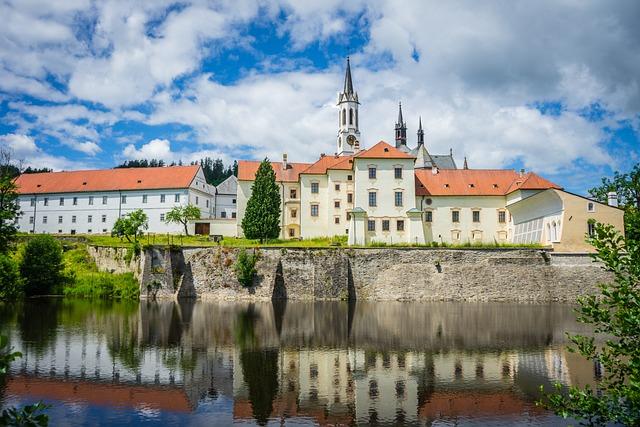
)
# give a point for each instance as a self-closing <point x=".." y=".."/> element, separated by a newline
<point x="247" y="170"/>
<point x="330" y="162"/>
<point x="107" y="180"/>
<point x="382" y="150"/>
<point x="476" y="182"/>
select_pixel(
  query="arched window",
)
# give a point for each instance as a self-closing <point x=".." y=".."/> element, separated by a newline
<point x="350" y="116"/>
<point x="356" y="118"/>
<point x="554" y="231"/>
<point x="548" y="232"/>
<point x="344" y="116"/>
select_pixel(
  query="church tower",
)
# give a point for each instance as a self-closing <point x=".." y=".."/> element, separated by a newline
<point x="420" y="134"/>
<point x="401" y="131"/>
<point x="348" y="131"/>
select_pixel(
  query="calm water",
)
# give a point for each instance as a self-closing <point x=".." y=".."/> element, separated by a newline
<point x="203" y="363"/>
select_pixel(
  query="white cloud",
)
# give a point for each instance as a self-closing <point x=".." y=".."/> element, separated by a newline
<point x="25" y="150"/>
<point x="161" y="149"/>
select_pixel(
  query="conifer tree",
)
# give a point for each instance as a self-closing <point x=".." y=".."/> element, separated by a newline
<point x="262" y="217"/>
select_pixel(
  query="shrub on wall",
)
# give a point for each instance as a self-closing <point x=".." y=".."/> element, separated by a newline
<point x="245" y="267"/>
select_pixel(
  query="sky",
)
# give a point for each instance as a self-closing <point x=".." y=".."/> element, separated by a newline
<point x="549" y="86"/>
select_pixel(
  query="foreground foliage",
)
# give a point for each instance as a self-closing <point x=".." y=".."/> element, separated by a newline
<point x="245" y="267"/>
<point x="9" y="208"/>
<point x="10" y="281"/>
<point x="615" y="315"/>
<point x="30" y="415"/>
<point x="41" y="265"/>
<point x="86" y="281"/>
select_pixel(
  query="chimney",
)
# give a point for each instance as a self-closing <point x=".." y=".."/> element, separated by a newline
<point x="521" y="172"/>
<point x="434" y="170"/>
<point x="612" y="199"/>
<point x="284" y="161"/>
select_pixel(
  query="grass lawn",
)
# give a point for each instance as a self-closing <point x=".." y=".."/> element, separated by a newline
<point x="236" y="242"/>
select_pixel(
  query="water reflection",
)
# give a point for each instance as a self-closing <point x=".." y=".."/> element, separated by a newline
<point x="293" y="362"/>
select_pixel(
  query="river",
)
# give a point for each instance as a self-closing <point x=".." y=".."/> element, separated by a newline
<point x="295" y="363"/>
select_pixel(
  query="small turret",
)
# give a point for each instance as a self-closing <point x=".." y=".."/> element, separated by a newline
<point x="401" y="129"/>
<point x="420" y="133"/>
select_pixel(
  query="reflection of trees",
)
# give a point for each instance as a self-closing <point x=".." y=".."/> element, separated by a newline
<point x="259" y="367"/>
<point x="38" y="322"/>
<point x="124" y="347"/>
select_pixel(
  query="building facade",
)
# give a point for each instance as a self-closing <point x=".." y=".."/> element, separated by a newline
<point x="89" y="202"/>
<point x="226" y="194"/>
<point x="397" y="194"/>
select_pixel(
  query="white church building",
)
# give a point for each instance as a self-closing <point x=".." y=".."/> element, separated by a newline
<point x="396" y="194"/>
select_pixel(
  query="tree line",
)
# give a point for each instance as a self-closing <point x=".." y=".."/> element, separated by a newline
<point x="214" y="169"/>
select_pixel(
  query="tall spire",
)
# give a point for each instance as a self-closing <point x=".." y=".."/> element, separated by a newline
<point x="420" y="133"/>
<point x="466" y="166"/>
<point x="348" y="83"/>
<point x="401" y="129"/>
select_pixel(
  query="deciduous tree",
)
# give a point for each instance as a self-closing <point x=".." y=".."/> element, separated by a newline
<point x="182" y="215"/>
<point x="9" y="208"/>
<point x="41" y="265"/>
<point x="131" y="226"/>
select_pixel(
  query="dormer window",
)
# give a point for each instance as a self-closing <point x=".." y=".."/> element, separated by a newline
<point x="495" y="185"/>
<point x="446" y="186"/>
<point x="472" y="185"/>
<point x="140" y="181"/>
<point x="84" y="183"/>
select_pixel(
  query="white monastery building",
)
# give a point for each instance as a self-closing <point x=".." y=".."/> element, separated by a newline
<point x="90" y="201"/>
<point x="395" y="194"/>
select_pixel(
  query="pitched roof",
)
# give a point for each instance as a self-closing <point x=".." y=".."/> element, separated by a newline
<point x="476" y="182"/>
<point x="321" y="166"/>
<point x="247" y="170"/>
<point x="107" y="180"/>
<point x="382" y="150"/>
<point x="228" y="186"/>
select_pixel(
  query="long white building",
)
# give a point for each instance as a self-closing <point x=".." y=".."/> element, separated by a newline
<point x="90" y="201"/>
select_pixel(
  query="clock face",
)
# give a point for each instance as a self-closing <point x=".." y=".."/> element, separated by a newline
<point x="351" y="140"/>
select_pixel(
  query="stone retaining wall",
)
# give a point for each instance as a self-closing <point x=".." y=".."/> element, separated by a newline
<point x="404" y="274"/>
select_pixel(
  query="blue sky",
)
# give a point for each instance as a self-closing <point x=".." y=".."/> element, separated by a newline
<point x="546" y="86"/>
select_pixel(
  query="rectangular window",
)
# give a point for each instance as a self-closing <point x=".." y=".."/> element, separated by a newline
<point x="337" y="186"/>
<point x="455" y="216"/>
<point x="32" y="201"/>
<point x="90" y="200"/>
<point x="61" y="201"/>
<point x="46" y="201"/>
<point x="371" y="225"/>
<point x="162" y="217"/>
<point x="73" y="219"/>
<point x="233" y="201"/>
<point x="197" y="200"/>
<point x="90" y="218"/>
<point x="30" y="220"/>
<point x="372" y="173"/>
<point x="162" y="198"/>
<point x="223" y="214"/>
<point x="348" y="216"/>
<point x="314" y="210"/>
<point x="60" y="220"/>
<point x="428" y="216"/>
<point x="314" y="187"/>
<point x="293" y="193"/>
<point x="75" y="201"/>
<point x="104" y="218"/>
<point x="104" y="200"/>
<point x="44" y="219"/>
<point x="176" y="198"/>
<point x="73" y="231"/>
<point x="89" y="230"/>
<point x="349" y="197"/>
<point x="385" y="225"/>
<point x="124" y="200"/>
<point x="400" y="225"/>
<point x="502" y="216"/>
<point x="336" y="220"/>
<point x="398" y="173"/>
<point x="233" y="214"/>
<point x="591" y="228"/>
<point x="349" y="177"/>
<point x="144" y="198"/>
<point x="336" y="204"/>
<point x="207" y="202"/>
<point x="398" y="198"/>
<point x="294" y="213"/>
<point x="476" y="216"/>
<point x="373" y="198"/>
<point x="292" y="232"/>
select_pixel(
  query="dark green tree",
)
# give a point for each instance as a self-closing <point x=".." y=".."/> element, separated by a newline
<point x="10" y="282"/>
<point x="615" y="317"/>
<point x="262" y="216"/>
<point x="41" y="265"/>
<point x="627" y="187"/>
<point x="9" y="208"/>
<point x="131" y="226"/>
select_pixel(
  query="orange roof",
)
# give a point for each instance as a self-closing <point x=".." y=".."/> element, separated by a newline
<point x="122" y="395"/>
<point x="382" y="150"/>
<point x="329" y="162"/>
<point x="107" y="180"/>
<point x="247" y="170"/>
<point x="476" y="182"/>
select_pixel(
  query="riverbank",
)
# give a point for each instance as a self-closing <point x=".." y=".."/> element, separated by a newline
<point x="403" y="274"/>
